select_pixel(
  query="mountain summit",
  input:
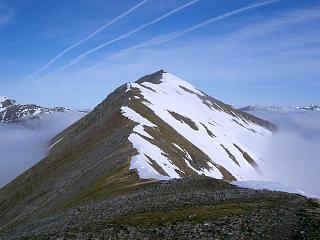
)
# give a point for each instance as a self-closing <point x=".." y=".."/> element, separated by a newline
<point x="182" y="131"/>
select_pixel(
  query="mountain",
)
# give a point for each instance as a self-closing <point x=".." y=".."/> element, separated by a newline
<point x="209" y="136"/>
<point x="134" y="168"/>
<point x="172" y="141"/>
<point x="310" y="108"/>
<point x="252" y="108"/>
<point x="11" y="111"/>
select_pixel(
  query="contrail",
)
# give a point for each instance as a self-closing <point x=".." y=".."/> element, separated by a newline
<point x="82" y="56"/>
<point x="221" y="17"/>
<point x="86" y="39"/>
<point x="171" y="36"/>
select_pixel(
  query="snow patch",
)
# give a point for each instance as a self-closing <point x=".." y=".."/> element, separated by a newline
<point x="3" y="98"/>
<point x="272" y="186"/>
<point x="145" y="149"/>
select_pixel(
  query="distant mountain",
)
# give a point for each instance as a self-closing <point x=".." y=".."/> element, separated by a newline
<point x="11" y="111"/>
<point x="252" y="108"/>
<point x="309" y="108"/>
<point x="103" y="175"/>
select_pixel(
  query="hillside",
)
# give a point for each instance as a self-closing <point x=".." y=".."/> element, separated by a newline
<point x="104" y="171"/>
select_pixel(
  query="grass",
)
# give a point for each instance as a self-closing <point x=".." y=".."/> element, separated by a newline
<point x="118" y="182"/>
<point x="193" y="213"/>
<point x="311" y="216"/>
<point x="184" y="119"/>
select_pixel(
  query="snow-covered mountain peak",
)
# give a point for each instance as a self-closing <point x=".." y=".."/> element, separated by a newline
<point x="6" y="102"/>
<point x="223" y="137"/>
<point x="167" y="80"/>
<point x="3" y="98"/>
<point x="11" y="111"/>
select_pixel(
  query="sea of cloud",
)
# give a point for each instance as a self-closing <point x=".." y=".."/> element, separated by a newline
<point x="292" y="156"/>
<point x="293" y="153"/>
<point x="23" y="145"/>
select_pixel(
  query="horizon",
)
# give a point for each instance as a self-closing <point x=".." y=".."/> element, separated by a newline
<point x="243" y="53"/>
<point x="2" y="98"/>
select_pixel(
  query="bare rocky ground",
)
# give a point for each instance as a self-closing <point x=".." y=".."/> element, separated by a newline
<point x="192" y="208"/>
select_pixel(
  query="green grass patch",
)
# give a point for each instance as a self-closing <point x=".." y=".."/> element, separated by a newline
<point x="192" y="213"/>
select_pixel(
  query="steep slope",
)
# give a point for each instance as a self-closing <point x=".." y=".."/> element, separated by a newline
<point x="11" y="111"/>
<point x="201" y="134"/>
<point x="159" y="127"/>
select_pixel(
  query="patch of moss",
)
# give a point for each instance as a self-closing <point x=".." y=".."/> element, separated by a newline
<point x="156" y="166"/>
<point x="311" y="219"/>
<point x="208" y="131"/>
<point x="185" y="120"/>
<point x="247" y="157"/>
<point x="194" y="213"/>
<point x="231" y="156"/>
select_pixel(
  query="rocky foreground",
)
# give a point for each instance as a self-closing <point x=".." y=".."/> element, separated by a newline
<point x="196" y="207"/>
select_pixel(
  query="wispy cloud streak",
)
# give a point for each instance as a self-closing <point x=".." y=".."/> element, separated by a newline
<point x="126" y="35"/>
<point x="222" y="17"/>
<point x="171" y="36"/>
<point x="86" y="39"/>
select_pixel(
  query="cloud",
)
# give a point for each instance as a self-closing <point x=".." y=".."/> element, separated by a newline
<point x="292" y="154"/>
<point x="22" y="146"/>
<point x="87" y="38"/>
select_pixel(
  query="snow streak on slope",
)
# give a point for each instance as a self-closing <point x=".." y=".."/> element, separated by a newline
<point x="226" y="137"/>
<point x="145" y="149"/>
<point x="272" y="186"/>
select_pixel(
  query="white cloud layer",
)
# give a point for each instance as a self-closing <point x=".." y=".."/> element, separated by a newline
<point x="22" y="146"/>
<point x="293" y="152"/>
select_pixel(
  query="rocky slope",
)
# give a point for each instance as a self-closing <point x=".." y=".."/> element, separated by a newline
<point x="106" y="168"/>
<point x="11" y="111"/>
<point x="189" y="208"/>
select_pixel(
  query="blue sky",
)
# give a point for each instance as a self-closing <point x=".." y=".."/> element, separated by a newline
<point x="267" y="55"/>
